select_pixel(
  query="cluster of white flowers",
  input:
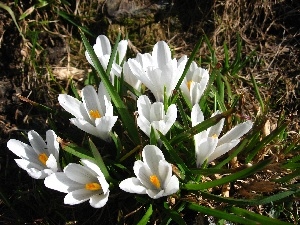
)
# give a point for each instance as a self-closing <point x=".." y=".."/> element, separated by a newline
<point x="95" y="115"/>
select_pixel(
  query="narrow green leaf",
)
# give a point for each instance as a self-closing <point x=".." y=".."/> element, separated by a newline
<point x="220" y="214"/>
<point x="258" y="96"/>
<point x="127" y="119"/>
<point x="146" y="217"/>
<point x="256" y="217"/>
<point x="172" y="214"/>
<point x="98" y="159"/>
<point x="75" y="150"/>
<point x="229" y="178"/>
<point x="118" y="144"/>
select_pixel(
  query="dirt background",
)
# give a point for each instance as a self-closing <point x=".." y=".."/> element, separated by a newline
<point x="271" y="28"/>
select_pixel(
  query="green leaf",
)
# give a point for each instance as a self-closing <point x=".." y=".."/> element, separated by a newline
<point x="256" y="217"/>
<point x="75" y="150"/>
<point x="229" y="178"/>
<point x="220" y="214"/>
<point x="127" y="119"/>
<point x="146" y="217"/>
<point x="98" y="159"/>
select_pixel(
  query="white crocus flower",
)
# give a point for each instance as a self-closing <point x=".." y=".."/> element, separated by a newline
<point x="153" y="175"/>
<point x="154" y="115"/>
<point x="194" y="83"/>
<point x="41" y="158"/>
<point x="208" y="145"/>
<point x="102" y="50"/>
<point x="81" y="183"/>
<point x="158" y="71"/>
<point x="94" y="114"/>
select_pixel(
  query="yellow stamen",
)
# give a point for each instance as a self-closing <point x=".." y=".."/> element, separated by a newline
<point x="92" y="186"/>
<point x="95" y="114"/>
<point x="43" y="158"/>
<point x="189" y="84"/>
<point x="214" y="136"/>
<point x="155" y="181"/>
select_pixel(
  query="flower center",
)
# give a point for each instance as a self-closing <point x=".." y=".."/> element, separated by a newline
<point x="215" y="136"/>
<point x="92" y="186"/>
<point x="95" y="114"/>
<point x="155" y="181"/>
<point x="189" y="84"/>
<point x="43" y="158"/>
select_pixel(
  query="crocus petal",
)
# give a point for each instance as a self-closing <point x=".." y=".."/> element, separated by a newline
<point x="90" y="100"/>
<point x="122" y="48"/>
<point x="98" y="201"/>
<point x="94" y="169"/>
<point x="104" y="126"/>
<point x="130" y="78"/>
<point x="151" y="157"/>
<point x="132" y="185"/>
<point x="60" y="182"/>
<point x="205" y="149"/>
<point x="144" y="125"/>
<point x="171" y="116"/>
<point x="143" y="173"/>
<point x="154" y="193"/>
<point x="144" y="106"/>
<point x="52" y="143"/>
<point x="52" y="163"/>
<point x="26" y="165"/>
<point x="79" y="173"/>
<point x="173" y="186"/>
<point x="71" y="105"/>
<point x="236" y="132"/>
<point x="78" y="196"/>
<point x="164" y="172"/>
<point x="196" y="115"/>
<point x="21" y="149"/>
<point x="37" y="143"/>
<point x="222" y="149"/>
<point x="162" y="53"/>
<point x="157" y="111"/>
<point x="85" y="126"/>
<point x="102" y="46"/>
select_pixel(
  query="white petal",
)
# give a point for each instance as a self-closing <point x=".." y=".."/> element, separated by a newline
<point x="196" y="115"/>
<point x="26" y="165"/>
<point x="71" y="105"/>
<point x="91" y="101"/>
<point x="144" y="106"/>
<point x="37" y="143"/>
<point x="52" y="143"/>
<point x="171" y="116"/>
<point x="98" y="201"/>
<point x="130" y="78"/>
<point x="144" y="125"/>
<point x="222" y="149"/>
<point x="102" y="46"/>
<point x="143" y="173"/>
<point x="165" y="172"/>
<point x="104" y="126"/>
<point x="39" y="174"/>
<point x="216" y="129"/>
<point x="154" y="193"/>
<point x="162" y="53"/>
<point x="161" y="126"/>
<point x="157" y="111"/>
<point x="79" y="174"/>
<point x="95" y="170"/>
<point x="22" y="150"/>
<point x="103" y="96"/>
<point x="60" y="182"/>
<point x="122" y="48"/>
<point x="205" y="149"/>
<point x="236" y="132"/>
<point x="132" y="185"/>
<point x="85" y="126"/>
<point x="51" y="163"/>
<point x="78" y="196"/>
<point x="173" y="186"/>
<point x="151" y="157"/>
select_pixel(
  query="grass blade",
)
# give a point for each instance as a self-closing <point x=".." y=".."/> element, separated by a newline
<point x="146" y="217"/>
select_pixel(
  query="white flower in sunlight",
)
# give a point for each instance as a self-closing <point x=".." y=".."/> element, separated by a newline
<point x="158" y="71"/>
<point x="41" y="158"/>
<point x="102" y="49"/>
<point x="208" y="145"/>
<point x="153" y="175"/>
<point x="81" y="183"/>
<point x="194" y="83"/>
<point x="154" y="115"/>
<point x="94" y="114"/>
